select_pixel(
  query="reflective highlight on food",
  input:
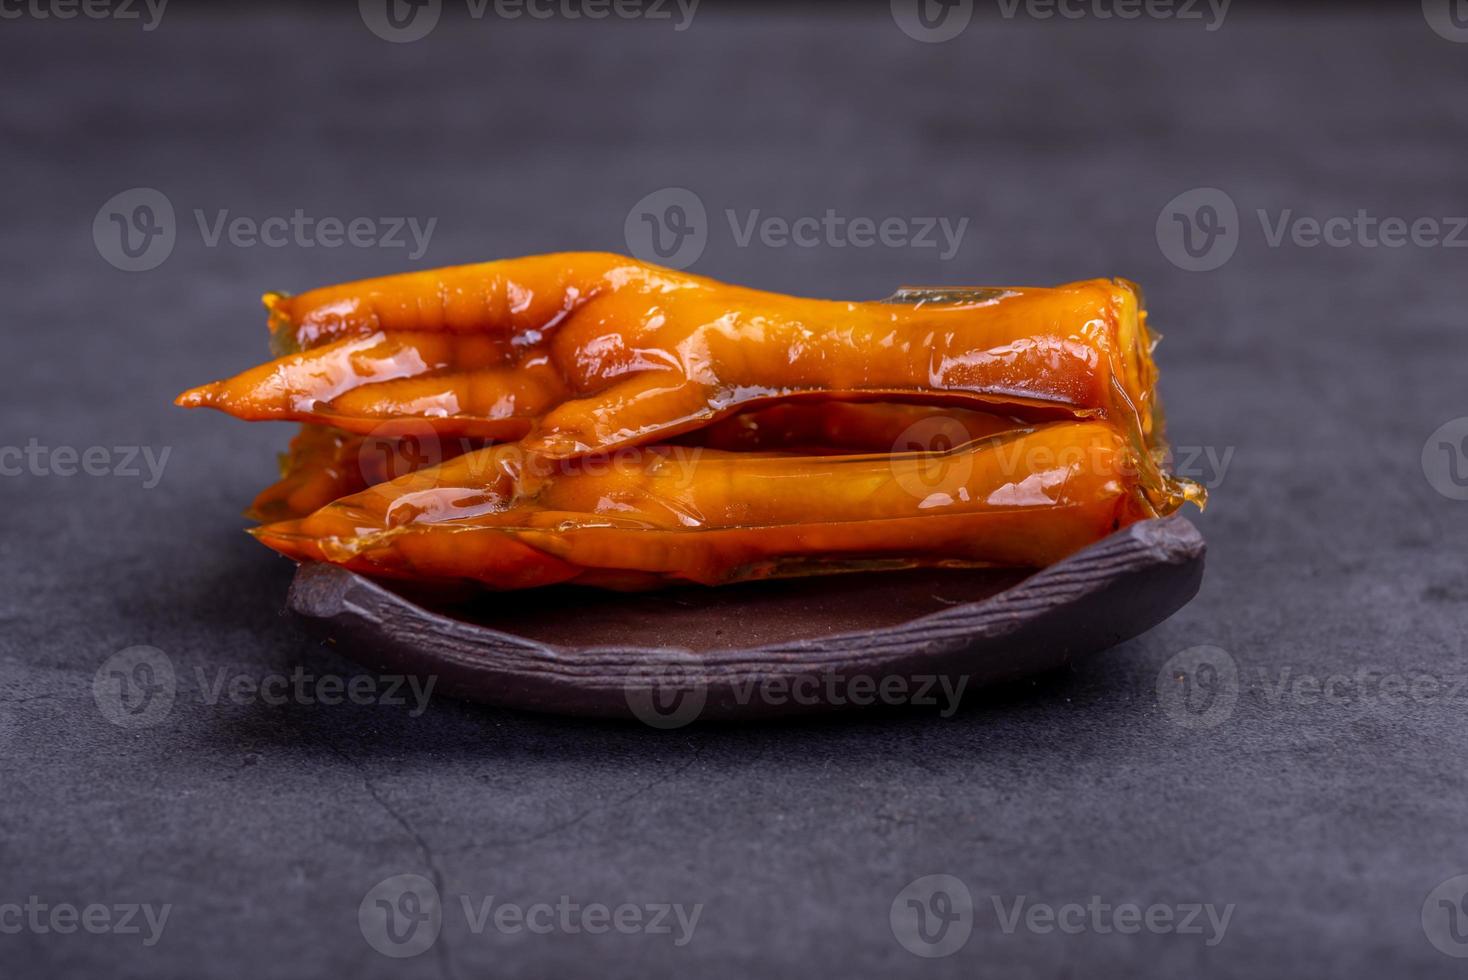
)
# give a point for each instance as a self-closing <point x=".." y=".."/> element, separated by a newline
<point x="593" y="419"/>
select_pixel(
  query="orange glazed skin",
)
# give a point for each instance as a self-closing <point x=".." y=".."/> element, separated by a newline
<point x="324" y="463"/>
<point x="506" y="520"/>
<point x="586" y="352"/>
<point x="587" y="418"/>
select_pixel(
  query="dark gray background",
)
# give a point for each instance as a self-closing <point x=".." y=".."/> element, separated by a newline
<point x="1324" y="369"/>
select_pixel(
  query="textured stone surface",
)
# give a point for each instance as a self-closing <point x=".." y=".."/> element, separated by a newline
<point x="1323" y="370"/>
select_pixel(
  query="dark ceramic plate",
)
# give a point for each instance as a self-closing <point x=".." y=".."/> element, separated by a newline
<point x="766" y="648"/>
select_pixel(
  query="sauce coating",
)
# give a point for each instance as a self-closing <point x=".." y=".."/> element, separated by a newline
<point x="589" y="418"/>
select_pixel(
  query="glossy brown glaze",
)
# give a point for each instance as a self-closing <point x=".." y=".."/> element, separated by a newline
<point x="506" y="520"/>
<point x="586" y="352"/>
<point x="588" y="418"/>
